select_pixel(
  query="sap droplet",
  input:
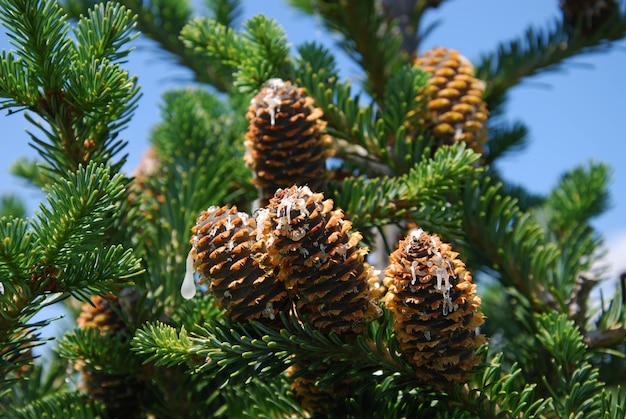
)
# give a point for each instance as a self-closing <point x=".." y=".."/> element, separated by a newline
<point x="188" y="289"/>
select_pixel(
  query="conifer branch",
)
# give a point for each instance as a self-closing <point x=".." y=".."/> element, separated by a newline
<point x="423" y="192"/>
<point x="162" y="22"/>
<point x="257" y="53"/>
<point x="367" y="37"/>
<point x="60" y="405"/>
<point x="78" y="91"/>
<point x="539" y="51"/>
<point x="576" y="389"/>
<point x="493" y="223"/>
<point x="505" y="139"/>
<point x="581" y="194"/>
<point x="62" y="252"/>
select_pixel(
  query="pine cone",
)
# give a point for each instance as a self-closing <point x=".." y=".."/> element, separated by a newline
<point x="20" y="358"/>
<point x="589" y="14"/>
<point x="456" y="107"/>
<point x="227" y="258"/>
<point x="120" y="393"/>
<point x="101" y="315"/>
<point x="315" y="399"/>
<point x="318" y="260"/>
<point x="284" y="142"/>
<point x="435" y="310"/>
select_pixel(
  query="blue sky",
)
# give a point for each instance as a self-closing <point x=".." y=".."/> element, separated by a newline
<point x="574" y="115"/>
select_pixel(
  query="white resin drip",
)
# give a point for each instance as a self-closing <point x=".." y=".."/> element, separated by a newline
<point x="443" y="277"/>
<point x="342" y="251"/>
<point x="188" y="289"/>
<point x="414" y="235"/>
<point x="413" y="273"/>
<point x="229" y="222"/>
<point x="294" y="202"/>
<point x="272" y="99"/>
<point x="261" y="217"/>
<point x="268" y="311"/>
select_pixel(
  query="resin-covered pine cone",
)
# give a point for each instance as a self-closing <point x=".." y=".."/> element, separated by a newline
<point x="322" y="267"/>
<point x="436" y="313"/>
<point x="456" y="108"/>
<point x="226" y="257"/>
<point x="285" y="144"/>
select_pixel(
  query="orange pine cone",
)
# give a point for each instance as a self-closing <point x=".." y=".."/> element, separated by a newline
<point x="456" y="109"/>
<point x="436" y="311"/>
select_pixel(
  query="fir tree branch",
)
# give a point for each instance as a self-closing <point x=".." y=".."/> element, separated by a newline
<point x="60" y="405"/>
<point x="62" y="252"/>
<point x="513" y="242"/>
<point x="541" y="50"/>
<point x="245" y="353"/>
<point x="614" y="403"/>
<point x="576" y="389"/>
<point x="422" y="193"/>
<point x="257" y="54"/>
<point x="505" y="139"/>
<point x="581" y="194"/>
<point x="81" y="207"/>
<point x="40" y="33"/>
<point x="367" y="37"/>
<point x="164" y="345"/>
<point x="78" y="90"/>
<point x="494" y="392"/>
<point x="162" y="22"/>
<point x="242" y="351"/>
